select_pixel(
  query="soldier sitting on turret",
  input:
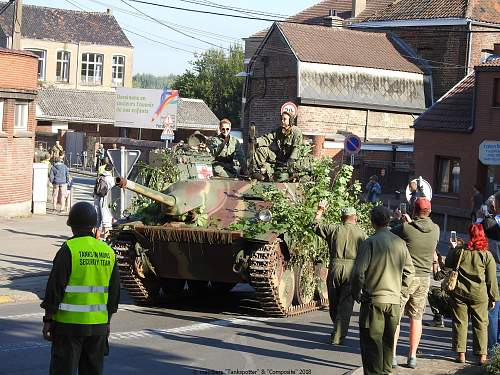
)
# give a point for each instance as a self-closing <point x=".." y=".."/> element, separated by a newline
<point x="227" y="150"/>
<point x="279" y="148"/>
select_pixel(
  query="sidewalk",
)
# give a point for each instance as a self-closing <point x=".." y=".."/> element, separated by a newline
<point x="27" y="248"/>
<point x="433" y="365"/>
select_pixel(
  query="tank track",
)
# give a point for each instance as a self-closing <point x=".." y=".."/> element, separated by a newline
<point x="129" y="279"/>
<point x="262" y="267"/>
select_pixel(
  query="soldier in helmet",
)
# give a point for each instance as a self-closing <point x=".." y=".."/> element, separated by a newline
<point x="227" y="151"/>
<point x="82" y="293"/>
<point x="278" y="148"/>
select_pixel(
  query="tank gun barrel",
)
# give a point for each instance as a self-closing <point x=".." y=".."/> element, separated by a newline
<point x="167" y="200"/>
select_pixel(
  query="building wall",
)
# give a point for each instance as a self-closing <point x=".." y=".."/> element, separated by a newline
<point x="76" y="51"/>
<point x="465" y="146"/>
<point x="366" y="124"/>
<point x="484" y="41"/>
<point x="18" y="82"/>
<point x="273" y="82"/>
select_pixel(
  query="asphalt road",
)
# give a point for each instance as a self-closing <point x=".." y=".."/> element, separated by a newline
<point x="193" y="336"/>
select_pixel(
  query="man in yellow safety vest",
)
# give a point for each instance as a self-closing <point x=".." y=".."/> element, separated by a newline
<point x="82" y="293"/>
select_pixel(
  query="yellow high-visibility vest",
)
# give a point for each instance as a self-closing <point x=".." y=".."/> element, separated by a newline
<point x="86" y="295"/>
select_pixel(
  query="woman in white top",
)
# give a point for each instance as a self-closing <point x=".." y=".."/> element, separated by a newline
<point x="102" y="204"/>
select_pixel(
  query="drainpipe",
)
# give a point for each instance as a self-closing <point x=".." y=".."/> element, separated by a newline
<point x="469" y="47"/>
<point x="366" y="126"/>
<point x="77" y="65"/>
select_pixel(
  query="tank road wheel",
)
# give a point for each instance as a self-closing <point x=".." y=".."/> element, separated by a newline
<point x="143" y="290"/>
<point x="305" y="283"/>
<point x="286" y="288"/>
<point x="321" y="274"/>
<point x="273" y="282"/>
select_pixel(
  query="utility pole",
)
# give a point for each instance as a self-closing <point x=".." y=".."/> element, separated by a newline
<point x="16" y="24"/>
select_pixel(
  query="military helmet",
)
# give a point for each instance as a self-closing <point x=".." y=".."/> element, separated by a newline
<point x="82" y="215"/>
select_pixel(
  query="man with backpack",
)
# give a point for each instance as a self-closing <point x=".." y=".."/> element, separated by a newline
<point x="102" y="202"/>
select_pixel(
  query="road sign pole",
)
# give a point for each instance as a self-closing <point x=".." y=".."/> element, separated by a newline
<point x="123" y="173"/>
<point x="352" y="159"/>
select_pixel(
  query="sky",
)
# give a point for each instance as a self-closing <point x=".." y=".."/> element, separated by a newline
<point x="199" y="31"/>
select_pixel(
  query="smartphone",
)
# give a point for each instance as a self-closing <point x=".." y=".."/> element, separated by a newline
<point x="402" y="208"/>
<point x="453" y="236"/>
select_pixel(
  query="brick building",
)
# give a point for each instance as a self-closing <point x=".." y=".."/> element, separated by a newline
<point x="454" y="35"/>
<point x="366" y="87"/>
<point x="448" y="140"/>
<point x="18" y="88"/>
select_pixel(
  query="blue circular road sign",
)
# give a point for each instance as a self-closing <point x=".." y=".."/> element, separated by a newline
<point x="352" y="144"/>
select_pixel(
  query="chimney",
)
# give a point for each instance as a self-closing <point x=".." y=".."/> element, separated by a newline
<point x="358" y="6"/>
<point x="332" y="20"/>
<point x="109" y="12"/>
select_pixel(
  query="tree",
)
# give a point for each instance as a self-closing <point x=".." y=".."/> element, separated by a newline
<point x="150" y="81"/>
<point x="212" y="78"/>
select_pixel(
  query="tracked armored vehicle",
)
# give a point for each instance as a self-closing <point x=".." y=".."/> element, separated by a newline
<point x="194" y="245"/>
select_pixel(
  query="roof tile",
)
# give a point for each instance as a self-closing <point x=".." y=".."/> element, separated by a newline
<point x="65" y="25"/>
<point x="453" y="112"/>
<point x="341" y="46"/>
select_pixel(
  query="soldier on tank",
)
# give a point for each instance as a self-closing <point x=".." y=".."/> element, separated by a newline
<point x="279" y="148"/>
<point x="343" y="241"/>
<point x="227" y="152"/>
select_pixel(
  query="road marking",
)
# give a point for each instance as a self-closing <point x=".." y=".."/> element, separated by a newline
<point x="120" y="336"/>
<point x="6" y="299"/>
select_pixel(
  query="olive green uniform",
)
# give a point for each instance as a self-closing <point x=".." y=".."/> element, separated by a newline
<point x="343" y="242"/>
<point x="277" y="146"/>
<point x="476" y="285"/>
<point x="382" y="272"/>
<point x="226" y="153"/>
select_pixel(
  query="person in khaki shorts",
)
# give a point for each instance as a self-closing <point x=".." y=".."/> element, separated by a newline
<point x="421" y="236"/>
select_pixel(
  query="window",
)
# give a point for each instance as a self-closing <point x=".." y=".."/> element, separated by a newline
<point x="42" y="55"/>
<point x="448" y="175"/>
<point x="21" y="116"/>
<point x="496" y="93"/>
<point x="118" y="70"/>
<point x="1" y="116"/>
<point x="62" y="66"/>
<point x="92" y="68"/>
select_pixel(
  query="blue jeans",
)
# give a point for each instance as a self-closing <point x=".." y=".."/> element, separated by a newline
<point x="493" y="325"/>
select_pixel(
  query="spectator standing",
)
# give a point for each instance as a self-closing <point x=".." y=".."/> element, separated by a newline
<point x="343" y="242"/>
<point x="59" y="178"/>
<point x="102" y="202"/>
<point x="421" y="236"/>
<point x="373" y="189"/>
<point x="475" y="293"/>
<point x="82" y="294"/>
<point x="103" y="166"/>
<point x="56" y="152"/>
<point x="382" y="272"/>
<point x="476" y="202"/>
<point x="99" y="157"/>
<point x="491" y="226"/>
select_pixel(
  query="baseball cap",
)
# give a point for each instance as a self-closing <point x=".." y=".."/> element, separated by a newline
<point x="422" y="205"/>
<point x="347" y="211"/>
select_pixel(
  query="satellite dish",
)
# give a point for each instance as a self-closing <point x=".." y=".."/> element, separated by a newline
<point x="423" y="186"/>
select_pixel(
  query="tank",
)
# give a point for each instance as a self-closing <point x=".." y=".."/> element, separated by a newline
<point x="194" y="247"/>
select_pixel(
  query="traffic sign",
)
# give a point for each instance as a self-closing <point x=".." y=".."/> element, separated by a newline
<point x="289" y="107"/>
<point x="168" y="131"/>
<point x="123" y="160"/>
<point x="352" y="144"/>
<point x="489" y="152"/>
<point x="424" y="187"/>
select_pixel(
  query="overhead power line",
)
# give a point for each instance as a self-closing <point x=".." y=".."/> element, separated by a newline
<point x="205" y="33"/>
<point x="4" y="8"/>
<point x="233" y="9"/>
<point x="173" y="28"/>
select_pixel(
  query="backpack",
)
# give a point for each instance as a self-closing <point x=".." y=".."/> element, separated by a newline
<point x="101" y="187"/>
